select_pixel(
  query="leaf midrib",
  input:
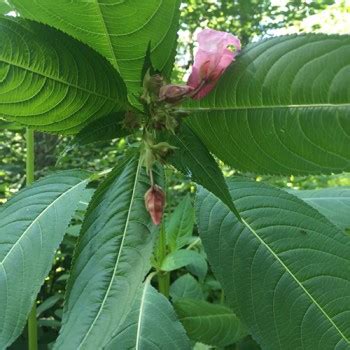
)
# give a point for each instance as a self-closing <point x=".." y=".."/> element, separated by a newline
<point x="251" y="229"/>
<point x="37" y="218"/>
<point x="199" y="318"/>
<point x="118" y="256"/>
<point x="100" y="14"/>
<point x="142" y="306"/>
<point x="282" y="106"/>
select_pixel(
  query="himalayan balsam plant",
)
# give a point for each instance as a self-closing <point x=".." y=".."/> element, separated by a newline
<point x="281" y="106"/>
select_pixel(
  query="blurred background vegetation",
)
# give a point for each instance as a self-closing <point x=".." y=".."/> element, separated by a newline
<point x="250" y="20"/>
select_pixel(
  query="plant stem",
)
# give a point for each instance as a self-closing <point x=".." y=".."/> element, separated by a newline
<point x="32" y="322"/>
<point x="163" y="277"/>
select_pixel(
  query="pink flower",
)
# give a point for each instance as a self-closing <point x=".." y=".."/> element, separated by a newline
<point x="212" y="59"/>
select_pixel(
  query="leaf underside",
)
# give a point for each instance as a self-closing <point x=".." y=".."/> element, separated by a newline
<point x="151" y="324"/>
<point x="110" y="261"/>
<point x="120" y="31"/>
<point x="193" y="159"/>
<point x="282" y="108"/>
<point x="52" y="82"/>
<point x="333" y="203"/>
<point x="208" y="323"/>
<point x="32" y="225"/>
<point x="186" y="286"/>
<point x="285" y="269"/>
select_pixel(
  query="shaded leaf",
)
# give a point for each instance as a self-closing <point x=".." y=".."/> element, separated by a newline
<point x="282" y="108"/>
<point x="333" y="203"/>
<point x="102" y="130"/>
<point x="186" y="286"/>
<point x="285" y="268"/>
<point x="48" y="304"/>
<point x="180" y="225"/>
<point x="210" y="324"/>
<point x="184" y="257"/>
<point x="110" y="261"/>
<point x="32" y="225"/>
<point x="193" y="159"/>
<point x="151" y="324"/>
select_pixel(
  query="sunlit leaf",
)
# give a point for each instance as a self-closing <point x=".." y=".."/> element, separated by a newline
<point x="121" y="31"/>
<point x="52" y="82"/>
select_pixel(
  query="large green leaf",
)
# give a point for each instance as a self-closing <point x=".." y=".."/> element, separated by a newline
<point x="110" y="261"/>
<point x="180" y="225"/>
<point x="207" y="323"/>
<point x="151" y="324"/>
<point x="333" y="203"/>
<point x="193" y="159"/>
<point x="32" y="225"/>
<point x="51" y="81"/>
<point x="120" y="30"/>
<point x="285" y="268"/>
<point x="282" y="108"/>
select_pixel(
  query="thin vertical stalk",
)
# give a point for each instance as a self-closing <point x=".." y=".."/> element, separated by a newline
<point x="163" y="277"/>
<point x="32" y="322"/>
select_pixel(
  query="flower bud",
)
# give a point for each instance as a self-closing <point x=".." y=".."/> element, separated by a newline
<point x="155" y="203"/>
<point x="173" y="93"/>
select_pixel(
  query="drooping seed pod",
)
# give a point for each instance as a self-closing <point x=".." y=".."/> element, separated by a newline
<point x="155" y="203"/>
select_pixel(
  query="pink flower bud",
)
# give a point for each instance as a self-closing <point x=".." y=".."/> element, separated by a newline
<point x="212" y="59"/>
<point x="174" y="93"/>
<point x="155" y="203"/>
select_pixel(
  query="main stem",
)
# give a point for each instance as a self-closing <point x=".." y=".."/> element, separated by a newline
<point x="32" y="322"/>
<point x="163" y="277"/>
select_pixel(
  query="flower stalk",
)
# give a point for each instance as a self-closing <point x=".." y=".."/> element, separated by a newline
<point x="32" y="321"/>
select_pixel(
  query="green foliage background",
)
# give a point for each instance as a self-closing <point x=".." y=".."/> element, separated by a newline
<point x="248" y="19"/>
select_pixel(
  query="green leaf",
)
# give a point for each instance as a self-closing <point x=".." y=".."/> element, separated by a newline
<point x="333" y="203"/>
<point x="285" y="268"/>
<point x="193" y="159"/>
<point x="186" y="286"/>
<point x="207" y="323"/>
<point x="151" y="324"/>
<point x="120" y="31"/>
<point x="282" y="108"/>
<point x="180" y="225"/>
<point x="52" y="82"/>
<point x="102" y="130"/>
<point x="32" y="225"/>
<point x="184" y="257"/>
<point x="48" y="304"/>
<point x="110" y="261"/>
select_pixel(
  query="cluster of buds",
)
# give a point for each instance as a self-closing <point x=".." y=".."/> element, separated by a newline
<point x="155" y="203"/>
<point x="216" y="51"/>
